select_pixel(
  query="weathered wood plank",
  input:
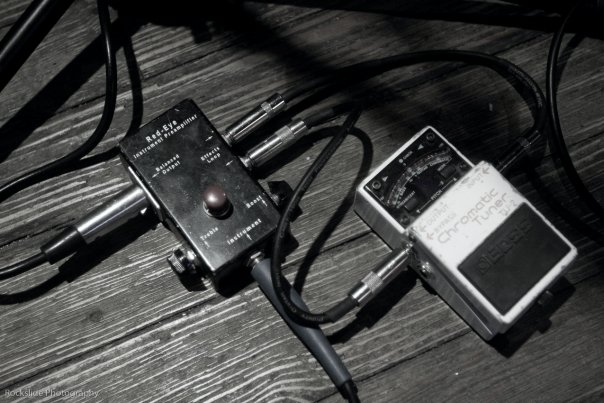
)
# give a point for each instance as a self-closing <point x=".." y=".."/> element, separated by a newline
<point x="381" y="132"/>
<point x="84" y="121"/>
<point x="134" y="304"/>
<point x="304" y="36"/>
<point x="306" y="227"/>
<point x="10" y="11"/>
<point x="174" y="46"/>
<point x="156" y="48"/>
<point x="531" y="55"/>
<point x="562" y="364"/>
<point x="122" y="273"/>
<point x="417" y="113"/>
<point x="238" y="350"/>
<point x="219" y="367"/>
<point x="207" y="29"/>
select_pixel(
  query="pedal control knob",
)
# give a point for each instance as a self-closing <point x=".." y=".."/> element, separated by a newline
<point x="215" y="201"/>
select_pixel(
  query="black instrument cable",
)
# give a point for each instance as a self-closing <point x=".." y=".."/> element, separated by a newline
<point x="361" y="71"/>
<point x="556" y="139"/>
<point x="517" y="77"/>
<point x="528" y="89"/>
<point x="292" y="309"/>
<point x="349" y="391"/>
<point x="23" y="266"/>
<point x="58" y="166"/>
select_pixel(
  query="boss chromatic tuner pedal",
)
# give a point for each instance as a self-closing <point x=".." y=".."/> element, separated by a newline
<point x="478" y="242"/>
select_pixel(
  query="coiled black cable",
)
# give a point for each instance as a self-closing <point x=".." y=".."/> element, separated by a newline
<point x="368" y="69"/>
<point x="56" y="167"/>
<point x="526" y="86"/>
<point x="556" y="139"/>
<point x="22" y="266"/>
<point x="516" y="76"/>
<point x="295" y="311"/>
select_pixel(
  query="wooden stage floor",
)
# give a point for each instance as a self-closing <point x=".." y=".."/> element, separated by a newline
<point x="115" y="321"/>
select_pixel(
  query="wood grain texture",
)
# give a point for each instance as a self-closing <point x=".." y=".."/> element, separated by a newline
<point x="561" y="364"/>
<point x="118" y="321"/>
<point x="11" y="10"/>
<point x="260" y="360"/>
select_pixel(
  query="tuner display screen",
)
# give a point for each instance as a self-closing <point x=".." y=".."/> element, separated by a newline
<point x="416" y="177"/>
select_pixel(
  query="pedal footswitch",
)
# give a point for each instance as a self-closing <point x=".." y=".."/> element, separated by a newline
<point x="478" y="242"/>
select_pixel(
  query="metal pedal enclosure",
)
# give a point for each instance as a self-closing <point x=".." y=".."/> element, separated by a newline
<point x="480" y="244"/>
<point x="200" y="190"/>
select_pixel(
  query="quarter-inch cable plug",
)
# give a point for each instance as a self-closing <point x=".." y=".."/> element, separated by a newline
<point x="381" y="276"/>
<point x="255" y="118"/>
<point x="117" y="211"/>
<point x="274" y="144"/>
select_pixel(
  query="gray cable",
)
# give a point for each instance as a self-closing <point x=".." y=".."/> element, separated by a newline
<point x="312" y="336"/>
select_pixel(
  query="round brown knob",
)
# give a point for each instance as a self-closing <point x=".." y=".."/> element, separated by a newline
<point x="215" y="201"/>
